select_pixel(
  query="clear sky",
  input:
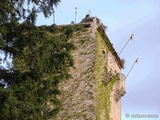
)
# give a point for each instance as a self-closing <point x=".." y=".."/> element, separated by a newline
<point x="123" y="18"/>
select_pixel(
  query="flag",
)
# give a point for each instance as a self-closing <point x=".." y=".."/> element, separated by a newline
<point x="136" y="60"/>
<point x="131" y="37"/>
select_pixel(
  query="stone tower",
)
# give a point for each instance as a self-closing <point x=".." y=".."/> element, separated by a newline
<point x="94" y="92"/>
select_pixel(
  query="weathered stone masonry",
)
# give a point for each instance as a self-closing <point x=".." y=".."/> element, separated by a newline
<point x="94" y="92"/>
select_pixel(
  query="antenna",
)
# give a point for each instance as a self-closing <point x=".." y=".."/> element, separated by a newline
<point x="75" y="14"/>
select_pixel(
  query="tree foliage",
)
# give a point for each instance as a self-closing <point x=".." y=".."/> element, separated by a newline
<point x="40" y="59"/>
<point x="25" y="9"/>
<point x="40" y="62"/>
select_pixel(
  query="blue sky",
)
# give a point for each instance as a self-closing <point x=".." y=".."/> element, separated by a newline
<point x="123" y="18"/>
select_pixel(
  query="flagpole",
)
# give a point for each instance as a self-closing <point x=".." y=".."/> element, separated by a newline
<point x="54" y="18"/>
<point x="136" y="61"/>
<point x="126" y="43"/>
<point x="75" y="14"/>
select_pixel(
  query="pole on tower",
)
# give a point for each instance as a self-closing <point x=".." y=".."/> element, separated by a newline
<point x="75" y="14"/>
<point x="136" y="61"/>
<point x="54" y="21"/>
<point x="131" y="37"/>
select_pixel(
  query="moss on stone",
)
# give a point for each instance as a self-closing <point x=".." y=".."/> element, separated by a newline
<point x="102" y="92"/>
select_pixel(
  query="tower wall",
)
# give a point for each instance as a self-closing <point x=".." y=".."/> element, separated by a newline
<point x="95" y="89"/>
<point x="78" y="95"/>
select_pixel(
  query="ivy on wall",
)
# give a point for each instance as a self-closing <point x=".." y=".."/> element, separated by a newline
<point x="40" y="58"/>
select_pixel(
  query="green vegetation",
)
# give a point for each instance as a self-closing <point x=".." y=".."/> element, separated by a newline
<point x="102" y="91"/>
<point x="40" y="59"/>
<point x="104" y="37"/>
<point x="26" y="10"/>
<point x="110" y="47"/>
